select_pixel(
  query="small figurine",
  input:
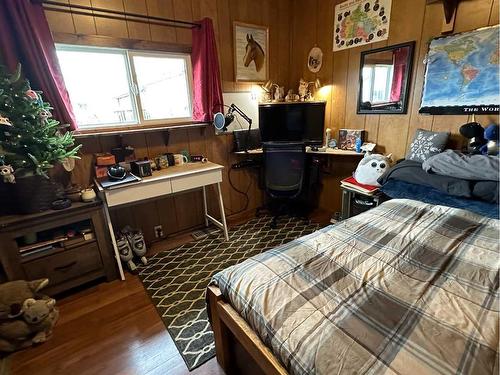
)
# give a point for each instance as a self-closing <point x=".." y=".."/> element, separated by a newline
<point x="291" y="97"/>
<point x="7" y="172"/>
<point x="279" y="94"/>
<point x="303" y="90"/>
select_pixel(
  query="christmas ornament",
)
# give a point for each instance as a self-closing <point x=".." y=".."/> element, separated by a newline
<point x="44" y="115"/>
<point x="68" y="164"/>
<point x="7" y="172"/>
<point x="5" y="121"/>
<point x="31" y="94"/>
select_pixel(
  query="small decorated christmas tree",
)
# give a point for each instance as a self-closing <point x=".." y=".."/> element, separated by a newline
<point x="31" y="141"/>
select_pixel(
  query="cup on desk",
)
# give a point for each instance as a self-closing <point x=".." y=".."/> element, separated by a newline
<point x="88" y="195"/>
<point x="180" y="159"/>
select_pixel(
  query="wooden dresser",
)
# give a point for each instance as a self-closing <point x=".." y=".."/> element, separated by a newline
<point x="70" y="247"/>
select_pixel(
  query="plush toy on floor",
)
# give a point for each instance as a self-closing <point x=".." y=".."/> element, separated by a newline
<point x="371" y="167"/>
<point x="41" y="316"/>
<point x="19" y="329"/>
<point x="492" y="137"/>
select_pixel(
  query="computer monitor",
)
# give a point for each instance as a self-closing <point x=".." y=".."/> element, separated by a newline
<point x="297" y="121"/>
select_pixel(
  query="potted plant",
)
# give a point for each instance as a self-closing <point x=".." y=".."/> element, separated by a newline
<point x="31" y="143"/>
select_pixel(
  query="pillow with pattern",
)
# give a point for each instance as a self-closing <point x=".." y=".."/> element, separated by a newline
<point x="426" y="144"/>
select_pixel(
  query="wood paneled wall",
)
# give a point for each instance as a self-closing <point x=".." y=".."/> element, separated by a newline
<point x="183" y="211"/>
<point x="295" y="26"/>
<point x="410" y="20"/>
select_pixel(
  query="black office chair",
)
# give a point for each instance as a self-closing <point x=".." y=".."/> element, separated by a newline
<point x="284" y="170"/>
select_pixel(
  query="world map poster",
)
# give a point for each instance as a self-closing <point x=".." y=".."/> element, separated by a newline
<point x="462" y="74"/>
<point x="358" y="22"/>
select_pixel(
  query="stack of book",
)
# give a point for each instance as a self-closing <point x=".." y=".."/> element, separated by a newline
<point x="351" y="183"/>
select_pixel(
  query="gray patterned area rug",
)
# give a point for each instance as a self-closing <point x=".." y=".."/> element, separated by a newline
<point x="176" y="280"/>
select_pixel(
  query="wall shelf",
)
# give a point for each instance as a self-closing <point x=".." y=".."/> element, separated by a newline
<point x="138" y="129"/>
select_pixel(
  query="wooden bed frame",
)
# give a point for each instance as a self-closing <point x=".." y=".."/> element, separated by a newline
<point x="238" y="348"/>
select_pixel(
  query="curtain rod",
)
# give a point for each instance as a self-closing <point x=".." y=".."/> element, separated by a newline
<point x="114" y="14"/>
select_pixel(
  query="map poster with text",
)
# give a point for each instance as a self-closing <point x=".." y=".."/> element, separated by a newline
<point x="462" y="74"/>
<point x="358" y="22"/>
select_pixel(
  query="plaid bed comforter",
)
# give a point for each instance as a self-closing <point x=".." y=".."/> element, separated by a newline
<point x="405" y="288"/>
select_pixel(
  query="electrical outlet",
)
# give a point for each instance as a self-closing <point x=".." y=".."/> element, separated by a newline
<point x="158" y="231"/>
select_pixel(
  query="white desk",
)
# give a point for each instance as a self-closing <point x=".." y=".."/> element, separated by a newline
<point x="328" y="151"/>
<point x="172" y="180"/>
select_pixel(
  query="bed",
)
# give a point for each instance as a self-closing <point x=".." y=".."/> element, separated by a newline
<point x="404" y="288"/>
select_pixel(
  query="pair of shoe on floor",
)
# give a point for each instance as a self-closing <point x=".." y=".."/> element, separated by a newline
<point x="130" y="243"/>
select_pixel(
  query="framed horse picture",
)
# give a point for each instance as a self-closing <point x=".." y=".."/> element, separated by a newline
<point x="251" y="51"/>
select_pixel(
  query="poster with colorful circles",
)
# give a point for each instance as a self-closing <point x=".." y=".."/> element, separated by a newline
<point x="358" y="22"/>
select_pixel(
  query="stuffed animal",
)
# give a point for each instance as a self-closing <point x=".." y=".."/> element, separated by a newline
<point x="7" y="172"/>
<point x="474" y="132"/>
<point x="492" y="136"/>
<point x="371" y="167"/>
<point x="41" y="316"/>
<point x="15" y="332"/>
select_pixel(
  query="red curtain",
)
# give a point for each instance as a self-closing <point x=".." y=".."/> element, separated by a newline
<point x="25" y="37"/>
<point x="400" y="59"/>
<point x="207" y="89"/>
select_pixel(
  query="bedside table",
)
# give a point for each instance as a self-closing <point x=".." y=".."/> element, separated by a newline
<point x="355" y="202"/>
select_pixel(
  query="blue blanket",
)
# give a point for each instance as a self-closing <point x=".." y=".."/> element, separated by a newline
<point x="401" y="189"/>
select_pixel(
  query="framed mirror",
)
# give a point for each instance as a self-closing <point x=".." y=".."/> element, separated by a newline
<point x="384" y="79"/>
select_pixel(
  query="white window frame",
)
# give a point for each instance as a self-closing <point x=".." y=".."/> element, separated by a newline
<point x="134" y="87"/>
<point x="389" y="74"/>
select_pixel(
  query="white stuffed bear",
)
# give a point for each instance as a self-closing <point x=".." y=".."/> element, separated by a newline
<point x="371" y="167"/>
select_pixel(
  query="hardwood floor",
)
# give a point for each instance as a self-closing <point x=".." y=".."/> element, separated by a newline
<point x="111" y="328"/>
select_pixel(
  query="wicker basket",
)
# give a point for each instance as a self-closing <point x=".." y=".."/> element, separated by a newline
<point x="31" y="194"/>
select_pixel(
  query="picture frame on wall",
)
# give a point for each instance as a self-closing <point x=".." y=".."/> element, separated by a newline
<point x="251" y="52"/>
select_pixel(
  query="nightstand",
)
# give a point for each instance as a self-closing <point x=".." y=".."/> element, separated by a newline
<point x="355" y="202"/>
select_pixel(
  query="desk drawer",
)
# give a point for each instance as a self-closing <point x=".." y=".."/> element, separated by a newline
<point x="65" y="265"/>
<point x="196" y="180"/>
<point x="139" y="192"/>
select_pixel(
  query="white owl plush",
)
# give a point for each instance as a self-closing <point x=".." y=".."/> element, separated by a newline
<point x="371" y="167"/>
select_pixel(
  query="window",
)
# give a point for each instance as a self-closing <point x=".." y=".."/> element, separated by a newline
<point x="111" y="87"/>
<point x="377" y="82"/>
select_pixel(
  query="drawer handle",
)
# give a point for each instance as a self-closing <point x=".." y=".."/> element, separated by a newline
<point x="65" y="267"/>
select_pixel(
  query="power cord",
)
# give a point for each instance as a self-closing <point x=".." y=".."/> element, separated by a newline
<point x="244" y="193"/>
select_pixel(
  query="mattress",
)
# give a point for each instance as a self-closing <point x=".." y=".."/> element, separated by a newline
<point x="404" y="288"/>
